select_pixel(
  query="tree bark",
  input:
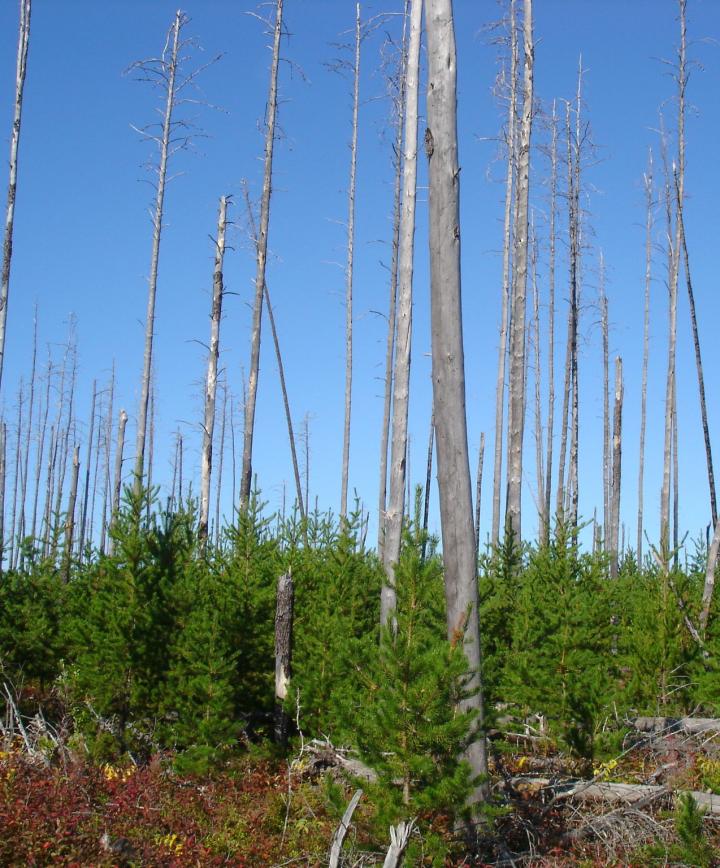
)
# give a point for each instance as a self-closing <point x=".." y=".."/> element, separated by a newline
<point x="211" y="376"/>
<point x="349" y="271"/>
<point x="3" y="466"/>
<point x="170" y="68"/>
<point x="551" y="328"/>
<point x="21" y="70"/>
<point x="516" y="411"/>
<point x="543" y="517"/>
<point x="401" y="372"/>
<point x="456" y="517"/>
<point x="261" y="253"/>
<point x="607" y="457"/>
<point x="507" y="236"/>
<point x="283" y="653"/>
<point x="428" y="479"/>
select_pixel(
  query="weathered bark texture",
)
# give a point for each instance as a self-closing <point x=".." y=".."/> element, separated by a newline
<point x="616" y="467"/>
<point x="169" y="69"/>
<point x="342" y="829"/>
<point x="261" y="253"/>
<point x="709" y="586"/>
<point x="505" y="301"/>
<point x="648" y="183"/>
<point x="448" y="369"/>
<point x="516" y="403"/>
<point x="283" y="653"/>
<point x="543" y="518"/>
<point x="401" y="371"/>
<point x="349" y="270"/>
<point x="21" y="70"/>
<point x="212" y="369"/>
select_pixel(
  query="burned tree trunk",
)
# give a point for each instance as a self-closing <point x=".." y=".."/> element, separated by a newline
<point x="21" y="70"/>
<point x="283" y="653"/>
<point x="212" y="367"/>
<point x="261" y="254"/>
<point x="448" y="372"/>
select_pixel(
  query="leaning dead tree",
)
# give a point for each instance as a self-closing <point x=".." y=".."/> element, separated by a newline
<point x="212" y="370"/>
<point x="261" y="247"/>
<point x="516" y="398"/>
<point x="349" y="270"/>
<point x="401" y="373"/>
<point x="166" y="73"/>
<point x="448" y="364"/>
<point x="21" y="69"/>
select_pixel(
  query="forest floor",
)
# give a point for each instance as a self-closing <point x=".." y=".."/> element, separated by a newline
<point x="260" y="810"/>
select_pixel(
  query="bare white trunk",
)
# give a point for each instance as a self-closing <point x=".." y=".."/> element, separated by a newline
<point x="261" y="253"/>
<point x="448" y="367"/>
<point x="516" y="412"/>
<point x="401" y="372"/>
<point x="21" y="69"/>
<point x="212" y="368"/>
<point x="170" y="70"/>
<point x="616" y="468"/>
<point x="648" y="182"/>
<point x="349" y="271"/>
<point x="505" y="301"/>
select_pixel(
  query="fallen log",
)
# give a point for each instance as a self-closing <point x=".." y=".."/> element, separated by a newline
<point x="600" y="791"/>
<point x="668" y="725"/>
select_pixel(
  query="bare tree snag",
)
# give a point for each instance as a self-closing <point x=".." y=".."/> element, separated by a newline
<point x="21" y="70"/>
<point x="401" y="372"/>
<point x="478" y="490"/>
<point x="428" y="479"/>
<point x="505" y="301"/>
<point x="3" y="465"/>
<point x="88" y="461"/>
<point x="607" y="457"/>
<point x="341" y="831"/>
<point x="70" y="515"/>
<point x="212" y="369"/>
<point x="117" y="484"/>
<point x="349" y="270"/>
<point x="648" y="184"/>
<point x="283" y="653"/>
<point x="616" y="468"/>
<point x="261" y="260"/>
<point x="399" y="109"/>
<point x="551" y="326"/>
<point x="516" y="411"/>
<point x="448" y="368"/>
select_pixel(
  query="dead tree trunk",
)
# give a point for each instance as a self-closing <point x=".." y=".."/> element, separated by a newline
<point x="698" y="359"/>
<point x="456" y="516"/>
<point x="3" y="465"/>
<point x="516" y="411"/>
<point x="349" y="271"/>
<point x="283" y="654"/>
<point x="261" y="254"/>
<point x="211" y="377"/>
<point x="88" y="461"/>
<point x="505" y="301"/>
<point x="607" y="459"/>
<point x="616" y="467"/>
<point x="399" y="107"/>
<point x="166" y="69"/>
<point x="107" y="490"/>
<point x="21" y="69"/>
<point x="22" y="532"/>
<point x="478" y="491"/>
<point x="551" y="328"/>
<point x="117" y="484"/>
<point x="428" y="479"/>
<point x="543" y="518"/>
<point x="70" y="515"/>
<point x="221" y="461"/>
<point x="648" y="182"/>
<point x="401" y="373"/>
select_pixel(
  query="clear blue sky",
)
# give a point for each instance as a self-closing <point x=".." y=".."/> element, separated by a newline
<point x="82" y="234"/>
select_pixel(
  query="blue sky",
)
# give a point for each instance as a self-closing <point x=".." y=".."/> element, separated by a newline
<point x="82" y="234"/>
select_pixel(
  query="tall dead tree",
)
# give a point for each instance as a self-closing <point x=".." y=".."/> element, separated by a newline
<point x="70" y="515"/>
<point x="401" y="372"/>
<point x="516" y="400"/>
<point x="261" y="248"/>
<point x="22" y="532"/>
<point x="478" y="490"/>
<point x="698" y="358"/>
<point x="607" y="458"/>
<point x="448" y="364"/>
<point x="551" y="328"/>
<point x="117" y="483"/>
<point x="673" y="240"/>
<point x="3" y="437"/>
<point x="88" y="461"/>
<point x="505" y="300"/>
<point x="648" y="184"/>
<point x="398" y="92"/>
<point x="20" y="72"/>
<point x="543" y="517"/>
<point x="212" y="368"/>
<point x="616" y="468"/>
<point x="349" y="270"/>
